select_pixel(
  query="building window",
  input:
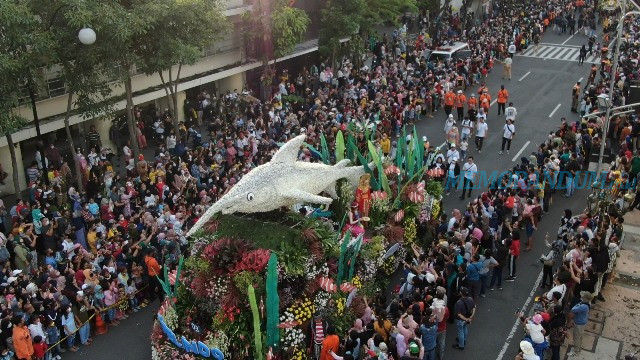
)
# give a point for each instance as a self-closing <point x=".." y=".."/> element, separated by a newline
<point x="56" y="87"/>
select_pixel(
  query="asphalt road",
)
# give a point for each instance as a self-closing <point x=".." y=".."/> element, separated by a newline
<point x="546" y="85"/>
<point x="541" y="92"/>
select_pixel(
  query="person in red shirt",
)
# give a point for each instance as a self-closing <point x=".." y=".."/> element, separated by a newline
<point x="514" y="252"/>
<point x="39" y="348"/>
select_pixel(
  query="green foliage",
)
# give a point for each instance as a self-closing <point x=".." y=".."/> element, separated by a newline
<point x="23" y="46"/>
<point x="434" y="188"/>
<point x="292" y="258"/>
<point x="257" y="334"/>
<point x="377" y="12"/>
<point x="288" y="28"/>
<point x="173" y="41"/>
<point x="263" y="234"/>
<point x="196" y="264"/>
<point x="273" y="303"/>
<point x="373" y="248"/>
<point x="379" y="211"/>
<point x="246" y="278"/>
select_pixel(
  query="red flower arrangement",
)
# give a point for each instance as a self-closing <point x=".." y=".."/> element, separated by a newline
<point x="254" y="260"/>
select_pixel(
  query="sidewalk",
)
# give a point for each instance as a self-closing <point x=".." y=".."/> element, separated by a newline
<point x="612" y="331"/>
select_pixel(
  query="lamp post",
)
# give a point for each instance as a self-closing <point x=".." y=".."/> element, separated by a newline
<point x="87" y="36"/>
<point x="612" y="82"/>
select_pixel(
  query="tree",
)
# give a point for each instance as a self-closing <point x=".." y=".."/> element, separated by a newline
<point x="123" y="26"/>
<point x="21" y="44"/>
<point x="279" y="27"/>
<point x="377" y="12"/>
<point x="355" y="19"/>
<point x="173" y="42"/>
<point x="340" y="19"/>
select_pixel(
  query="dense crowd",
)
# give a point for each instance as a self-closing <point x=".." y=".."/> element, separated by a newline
<point x="73" y="260"/>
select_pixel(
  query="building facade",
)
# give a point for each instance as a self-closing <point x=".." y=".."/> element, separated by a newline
<point x="223" y="67"/>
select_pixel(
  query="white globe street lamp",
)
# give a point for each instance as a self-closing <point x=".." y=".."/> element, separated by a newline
<point x="87" y="36"/>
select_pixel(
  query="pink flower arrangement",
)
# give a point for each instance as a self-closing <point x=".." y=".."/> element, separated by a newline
<point x="379" y="195"/>
<point x="392" y="169"/>
<point x="416" y="193"/>
<point x="399" y="216"/>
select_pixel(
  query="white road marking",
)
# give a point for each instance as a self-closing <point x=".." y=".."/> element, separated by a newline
<point x="554" y="110"/>
<point x="521" y="150"/>
<point x="567" y="40"/>
<point x="516" y="325"/>
<point x="493" y="102"/>
<point x="579" y="80"/>
<point x="524" y="76"/>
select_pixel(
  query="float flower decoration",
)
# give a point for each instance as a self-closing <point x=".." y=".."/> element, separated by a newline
<point x="211" y="296"/>
<point x="282" y="182"/>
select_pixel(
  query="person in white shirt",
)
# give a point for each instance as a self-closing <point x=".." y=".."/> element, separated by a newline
<point x="452" y="154"/>
<point x="470" y="171"/>
<point x="508" y="130"/>
<point x="506" y="68"/>
<point x="512" y="50"/>
<point x="466" y="128"/>
<point x="481" y="133"/>
<point x="481" y="115"/>
<point x="510" y="113"/>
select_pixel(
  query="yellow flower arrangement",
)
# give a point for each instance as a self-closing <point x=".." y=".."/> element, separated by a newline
<point x="302" y="310"/>
<point x="410" y="231"/>
<point x="356" y="281"/>
<point x="435" y="209"/>
<point x="340" y="305"/>
<point x="299" y="354"/>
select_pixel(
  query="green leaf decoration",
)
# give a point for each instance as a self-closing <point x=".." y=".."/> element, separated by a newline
<point x="273" y="303"/>
<point x="351" y="148"/>
<point x="374" y="183"/>
<point x="377" y="159"/>
<point x="354" y="255"/>
<point x="399" y="155"/>
<point x="340" y="146"/>
<point x="410" y="158"/>
<point x="313" y="150"/>
<point x="343" y="252"/>
<point x="257" y="335"/>
<point x="325" y="149"/>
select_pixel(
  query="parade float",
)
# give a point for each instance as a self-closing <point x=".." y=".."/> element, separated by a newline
<point x="257" y="271"/>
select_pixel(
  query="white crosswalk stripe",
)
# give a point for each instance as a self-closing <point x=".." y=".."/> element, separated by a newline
<point x="557" y="52"/>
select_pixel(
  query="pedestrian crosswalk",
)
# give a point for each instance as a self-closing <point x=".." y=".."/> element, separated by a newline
<point x="559" y="52"/>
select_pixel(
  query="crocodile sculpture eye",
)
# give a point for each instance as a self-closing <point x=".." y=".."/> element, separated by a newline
<point x="250" y="196"/>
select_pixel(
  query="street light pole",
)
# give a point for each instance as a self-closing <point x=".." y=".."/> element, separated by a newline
<point x="612" y="85"/>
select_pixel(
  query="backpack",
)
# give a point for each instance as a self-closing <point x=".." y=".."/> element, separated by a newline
<point x="558" y="335"/>
<point x="4" y="254"/>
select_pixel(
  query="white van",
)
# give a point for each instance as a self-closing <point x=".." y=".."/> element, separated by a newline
<point x="457" y="50"/>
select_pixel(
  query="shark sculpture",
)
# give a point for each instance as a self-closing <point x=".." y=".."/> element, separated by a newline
<point x="283" y="181"/>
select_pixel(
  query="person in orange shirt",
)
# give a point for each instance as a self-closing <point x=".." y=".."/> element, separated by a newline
<point x="153" y="270"/>
<point x="472" y="106"/>
<point x="21" y="339"/>
<point x="460" y="101"/>
<point x="485" y="101"/>
<point x="483" y="88"/>
<point x="330" y="344"/>
<point x="449" y="100"/>
<point x="503" y="96"/>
